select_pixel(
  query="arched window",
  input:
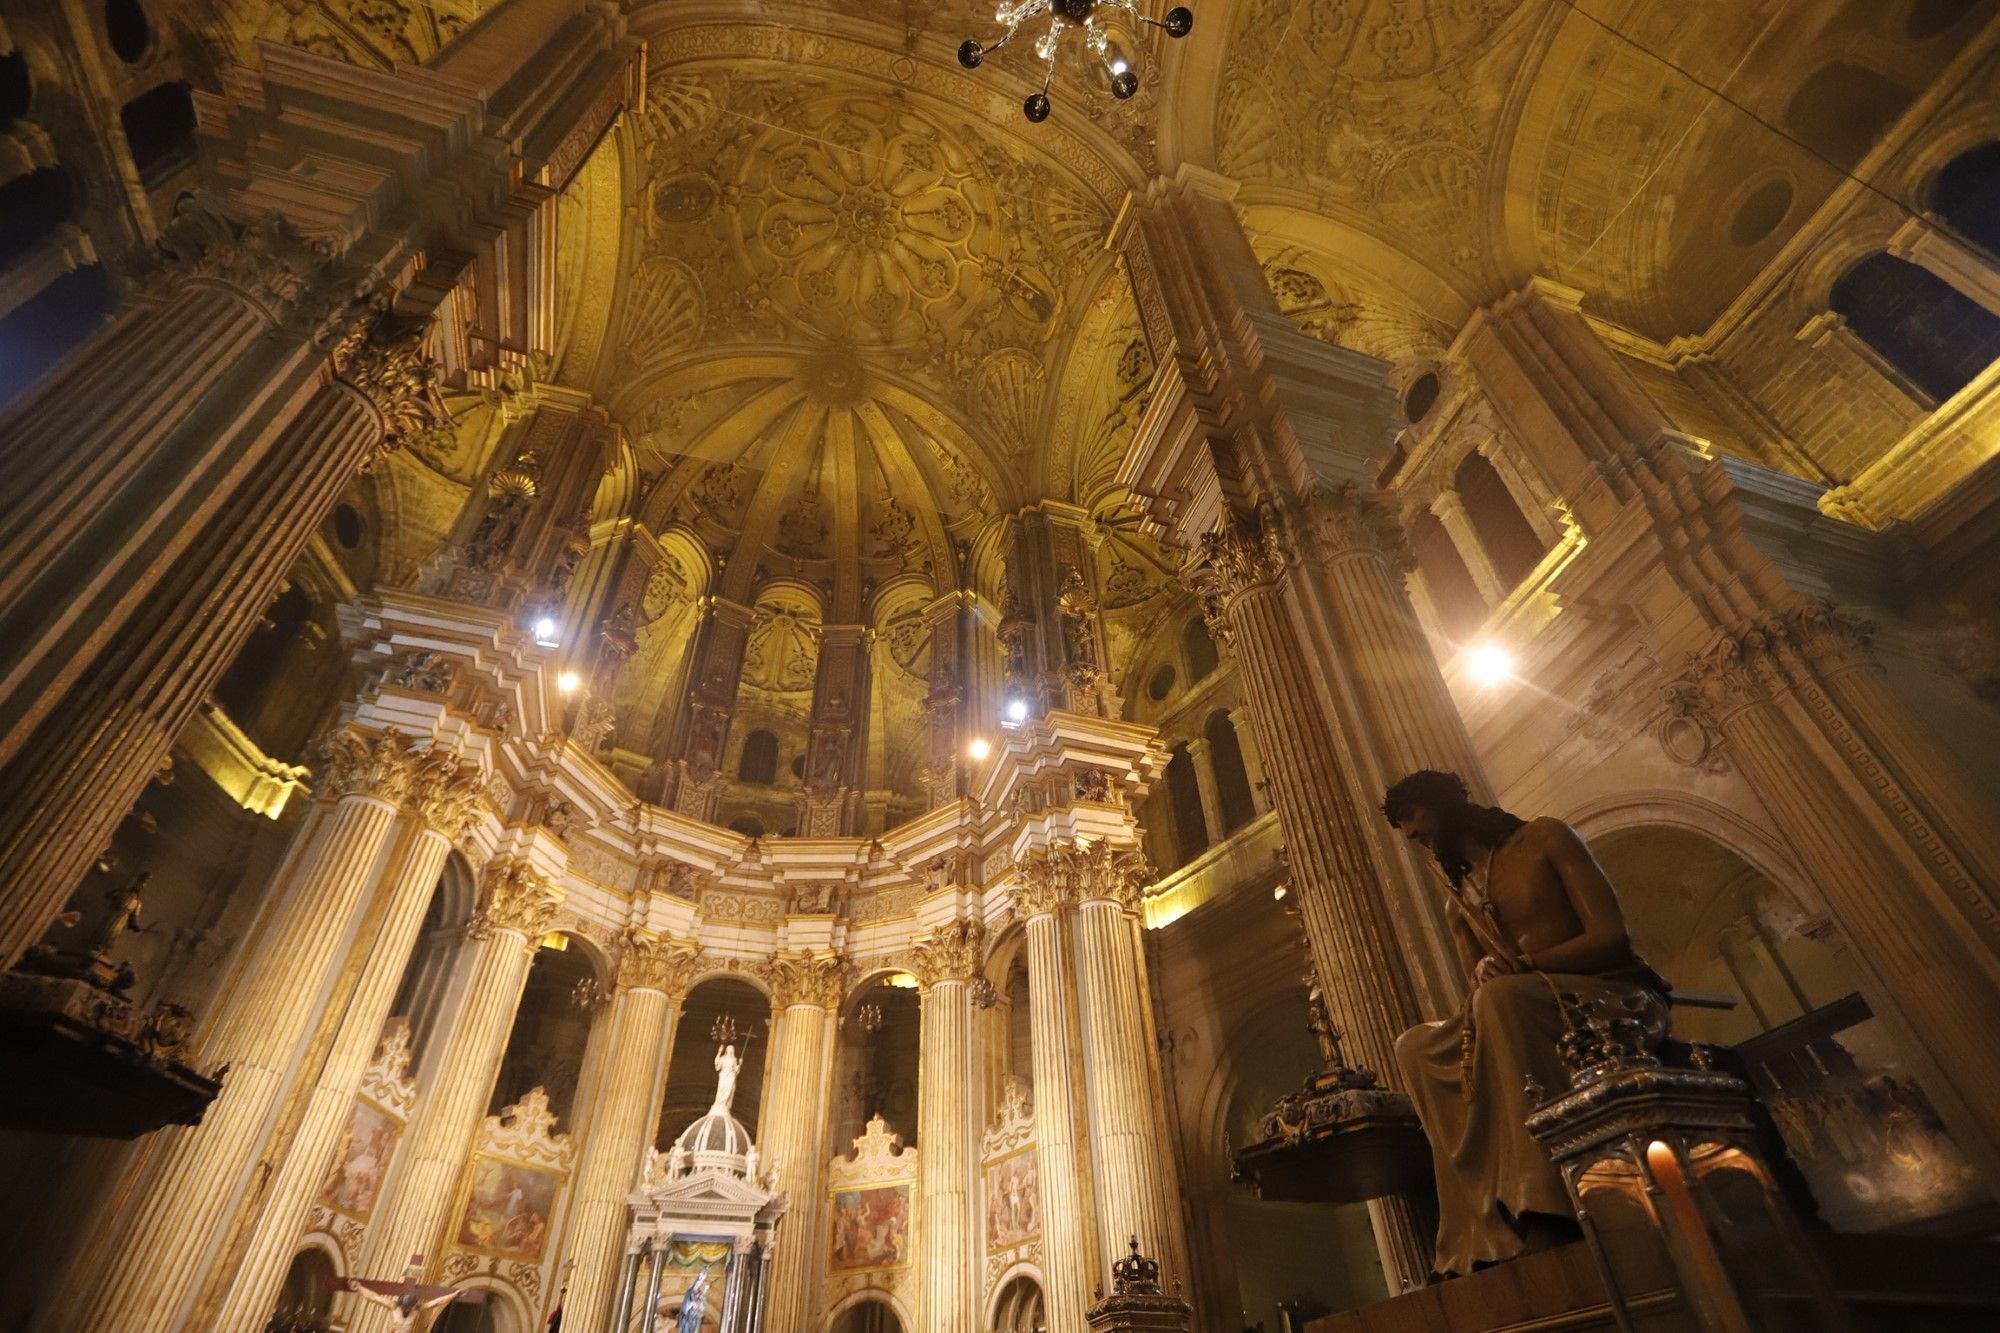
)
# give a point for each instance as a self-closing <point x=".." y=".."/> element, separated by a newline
<point x="1459" y="606"/>
<point x="1504" y="531"/>
<point x="1966" y="194"/>
<point x="1841" y="110"/>
<point x="461" y="1317"/>
<point x="690" y="1088"/>
<point x="1933" y="334"/>
<point x="551" y="1027"/>
<point x="868" y="1317"/>
<point x="427" y="975"/>
<point x="159" y="129"/>
<point x="760" y="758"/>
<point x="305" y="1302"/>
<point x="1019" y="1308"/>
<point x="31" y="206"/>
<point x="1184" y="807"/>
<point x="1232" y="780"/>
<point x="1198" y="648"/>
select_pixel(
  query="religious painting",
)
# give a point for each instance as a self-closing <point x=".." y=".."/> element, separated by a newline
<point x="1013" y="1201"/>
<point x="365" y="1149"/>
<point x="694" y="1275"/>
<point x="871" y="1228"/>
<point x="507" y="1211"/>
<point x="1870" y="1145"/>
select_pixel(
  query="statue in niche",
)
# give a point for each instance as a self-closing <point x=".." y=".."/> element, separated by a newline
<point x="727" y="1064"/>
<point x="1079" y="621"/>
<point x="1535" y="920"/>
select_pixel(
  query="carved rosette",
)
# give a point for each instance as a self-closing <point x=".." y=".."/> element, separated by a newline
<point x="804" y="979"/>
<point x="383" y="359"/>
<point x="662" y="963"/>
<point x="1076" y="872"/>
<point x="515" y="897"/>
<point x="1763" y="659"/>
<point x="951" y="954"/>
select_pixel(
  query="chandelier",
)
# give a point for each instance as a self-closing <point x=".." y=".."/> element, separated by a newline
<point x="1064" y="15"/>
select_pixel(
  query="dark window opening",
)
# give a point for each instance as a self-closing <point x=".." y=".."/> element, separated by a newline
<point x="159" y="129"/>
<point x="1933" y="334"/>
<point x="1232" y="779"/>
<point x="1198" y="649"/>
<point x="348" y="529"/>
<point x="31" y="207"/>
<point x="1509" y="539"/>
<point x="1184" y="806"/>
<point x="37" y="334"/>
<point x="1966" y="195"/>
<point x="748" y="825"/>
<point x="1460" y="608"/>
<point x="1421" y="397"/>
<point x="1934" y="18"/>
<point x="128" y="28"/>
<point x="1161" y="683"/>
<point x="17" y="90"/>
<point x="759" y="762"/>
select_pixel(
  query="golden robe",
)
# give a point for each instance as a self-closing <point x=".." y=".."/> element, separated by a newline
<point x="1489" y="1171"/>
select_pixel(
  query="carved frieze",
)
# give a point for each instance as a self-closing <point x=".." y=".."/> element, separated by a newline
<point x="1761" y="660"/>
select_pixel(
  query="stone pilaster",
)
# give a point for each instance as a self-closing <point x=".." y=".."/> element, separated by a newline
<point x="692" y="761"/>
<point x="140" y="1269"/>
<point x="805" y="992"/>
<point x="945" y="964"/>
<point x="1450" y="509"/>
<point x="1808" y="716"/>
<point x="617" y="1125"/>
<point x="1044" y="898"/>
<point x="837" y="739"/>
<point x="442" y="806"/>
<point x="517" y="905"/>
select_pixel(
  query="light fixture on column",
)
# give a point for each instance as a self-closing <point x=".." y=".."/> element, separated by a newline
<point x="547" y="632"/>
<point x="1017" y="711"/>
<point x="1490" y="664"/>
<point x="1062" y="16"/>
<point x="980" y="748"/>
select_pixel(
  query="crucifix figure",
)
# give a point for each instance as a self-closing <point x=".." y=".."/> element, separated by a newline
<point x="406" y="1300"/>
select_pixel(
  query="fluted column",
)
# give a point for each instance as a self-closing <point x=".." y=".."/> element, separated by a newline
<point x="805" y="990"/>
<point x="945" y="964"/>
<point x="516" y="908"/>
<point x="1920" y="923"/>
<point x="1203" y="765"/>
<point x="1132" y="1159"/>
<point x="140" y="1269"/>
<point x="1354" y="942"/>
<point x="618" y="1123"/>
<point x="158" y="636"/>
<point x="1450" y="509"/>
<point x="1068" y="1238"/>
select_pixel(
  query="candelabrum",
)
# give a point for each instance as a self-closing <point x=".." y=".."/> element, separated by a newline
<point x="1064" y="15"/>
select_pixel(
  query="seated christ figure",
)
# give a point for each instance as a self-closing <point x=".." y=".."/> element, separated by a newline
<point x="1534" y="918"/>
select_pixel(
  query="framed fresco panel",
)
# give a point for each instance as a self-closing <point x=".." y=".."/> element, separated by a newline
<point x="363" y="1159"/>
<point x="507" y="1209"/>
<point x="1013" y="1200"/>
<point x="871" y="1228"/>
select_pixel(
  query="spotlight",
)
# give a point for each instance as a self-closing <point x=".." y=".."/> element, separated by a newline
<point x="1490" y="664"/>
<point x="568" y="681"/>
<point x="980" y="748"/>
<point x="545" y="633"/>
<point x="1278" y="893"/>
<point x="1017" y="710"/>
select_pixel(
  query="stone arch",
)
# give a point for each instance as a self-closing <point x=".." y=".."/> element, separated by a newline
<point x="1019" y="1301"/>
<point x="853" y="1315"/>
<point x="1508" y="538"/>
<point x="690" y="1075"/>
<point x="1933" y="335"/>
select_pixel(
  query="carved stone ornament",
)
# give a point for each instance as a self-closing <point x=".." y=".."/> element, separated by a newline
<point x="387" y="1080"/>
<point x="446" y="792"/>
<point x="360" y="763"/>
<point x="383" y="359"/>
<point x="1335" y="520"/>
<point x="878" y="1156"/>
<point x="1013" y="1124"/>
<point x="651" y="962"/>
<point x="423" y="671"/>
<point x="1079" y="872"/>
<point x="803" y="979"/>
<point x="1763" y="659"/>
<point x="266" y="260"/>
<point x="952" y="953"/>
<point x="522" y="1133"/>
<point x="518" y="898"/>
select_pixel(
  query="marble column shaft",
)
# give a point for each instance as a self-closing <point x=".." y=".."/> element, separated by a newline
<point x="794" y="1133"/>
<point x="155" y="1241"/>
<point x="243" y="1293"/>
<point x="618" y="1125"/>
<point x="1132" y="1159"/>
<point x="948" y="1166"/>
<point x="159" y="654"/>
<point x="1354" y="944"/>
<point x="413" y="1215"/>
<point x="1068" y="1238"/>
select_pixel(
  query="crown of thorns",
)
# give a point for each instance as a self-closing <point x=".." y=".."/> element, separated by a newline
<point x="1426" y="787"/>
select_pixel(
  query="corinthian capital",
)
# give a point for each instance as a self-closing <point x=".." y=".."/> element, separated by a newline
<point x="951" y="954"/>
<point x="1762" y="658"/>
<point x="363" y="763"/>
<point x="1336" y="520"/>
<point x="384" y="360"/>
<point x="515" y="897"/>
<point x="652" y="962"/>
<point x="265" y="261"/>
<point x="798" y="978"/>
<point x="445" y="792"/>
<point x="1081" y="872"/>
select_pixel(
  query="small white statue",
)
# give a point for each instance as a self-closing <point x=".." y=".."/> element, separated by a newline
<point x="727" y="1062"/>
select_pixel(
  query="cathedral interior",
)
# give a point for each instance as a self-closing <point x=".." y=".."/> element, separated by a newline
<point x="690" y="666"/>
